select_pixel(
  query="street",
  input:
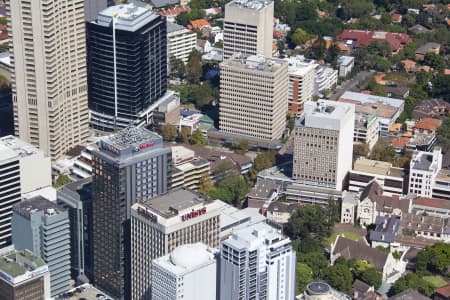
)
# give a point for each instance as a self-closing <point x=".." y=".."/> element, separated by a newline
<point x="349" y="85"/>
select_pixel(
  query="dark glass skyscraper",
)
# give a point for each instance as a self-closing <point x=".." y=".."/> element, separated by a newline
<point x="129" y="166"/>
<point x="123" y="84"/>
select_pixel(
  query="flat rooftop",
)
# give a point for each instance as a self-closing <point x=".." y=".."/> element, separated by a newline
<point x="371" y="99"/>
<point x="130" y="16"/>
<point x="372" y="166"/>
<point x="131" y="136"/>
<point x="36" y="204"/>
<point x="169" y="204"/>
<point x="422" y="161"/>
<point x="443" y="175"/>
<point x="257" y="62"/>
<point x="249" y="4"/>
<point x="327" y="109"/>
<point x="87" y="292"/>
<point x="250" y="235"/>
<point x="11" y="146"/>
<point x="12" y="263"/>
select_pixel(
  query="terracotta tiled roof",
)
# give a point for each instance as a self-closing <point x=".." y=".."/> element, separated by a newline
<point x="198" y="24"/>
<point x="428" y="124"/>
<point x="400" y="142"/>
<point x="408" y="64"/>
<point x="364" y="38"/>
<point x="444" y="291"/>
<point x="432" y="202"/>
<point x="396" y="17"/>
<point x="174" y="11"/>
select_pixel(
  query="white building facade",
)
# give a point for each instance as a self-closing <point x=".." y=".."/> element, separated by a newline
<point x="161" y="224"/>
<point x="257" y="263"/>
<point x="248" y="28"/>
<point x="23" y="168"/>
<point x="424" y="168"/>
<point x="188" y="273"/>
<point x="180" y="41"/>
<point x="322" y="144"/>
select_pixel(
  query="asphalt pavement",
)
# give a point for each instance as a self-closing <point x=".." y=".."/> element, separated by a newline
<point x="349" y="84"/>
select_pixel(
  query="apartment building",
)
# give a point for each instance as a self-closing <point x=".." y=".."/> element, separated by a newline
<point x="161" y="224"/>
<point x="248" y="27"/>
<point x="301" y="83"/>
<point x="441" y="186"/>
<point x="192" y="266"/>
<point x="129" y="166"/>
<point x="180" y="41"/>
<point x="42" y="227"/>
<point x="188" y="169"/>
<point x="257" y="262"/>
<point x="19" y="162"/>
<point x="423" y="170"/>
<point x="24" y="275"/>
<point x="253" y="97"/>
<point x="322" y="156"/>
<point x="49" y="86"/>
<point x="366" y="129"/>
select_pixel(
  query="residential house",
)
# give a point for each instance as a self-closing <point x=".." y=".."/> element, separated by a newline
<point x="427" y="125"/>
<point x="433" y="108"/>
<point x="362" y="291"/>
<point x="390" y="268"/>
<point x="409" y="295"/>
<point x="418" y="29"/>
<point x="280" y="212"/>
<point x="363" y="38"/>
<point x="442" y="293"/>
<point x="409" y="65"/>
<point x="427" y="48"/>
<point x="263" y="193"/>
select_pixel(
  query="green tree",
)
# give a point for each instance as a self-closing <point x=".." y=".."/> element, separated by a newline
<point x="441" y="86"/>
<point x="202" y="94"/>
<point x="356" y="9"/>
<point x="169" y="132"/>
<point x="435" y="61"/>
<point x="197" y="138"/>
<point x="434" y="259"/>
<point x="232" y="190"/>
<point x="205" y="184"/>
<point x="185" y="134"/>
<point x="194" y="69"/>
<point x="332" y="54"/>
<point x="340" y="277"/>
<point x="241" y="147"/>
<point x="360" y="150"/>
<point x="307" y="220"/>
<point x="62" y="180"/>
<point x="383" y="151"/>
<point x="299" y="37"/>
<point x="367" y="273"/>
<point x="315" y="260"/>
<point x="413" y="281"/>
<point x="303" y="276"/>
<point x="226" y="169"/>
<point x="177" y="68"/>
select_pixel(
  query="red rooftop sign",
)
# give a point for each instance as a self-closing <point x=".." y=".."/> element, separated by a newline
<point x="193" y="214"/>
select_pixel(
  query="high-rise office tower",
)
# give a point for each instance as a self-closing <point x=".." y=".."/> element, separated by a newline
<point x="49" y="82"/>
<point x="253" y="97"/>
<point x="24" y="275"/>
<point x="161" y="224"/>
<point x="128" y="167"/>
<point x="127" y="65"/>
<point x="323" y="144"/>
<point x="257" y="263"/>
<point x="23" y="169"/>
<point x="40" y="226"/>
<point x="77" y="199"/>
<point x="248" y="28"/>
<point x="189" y="272"/>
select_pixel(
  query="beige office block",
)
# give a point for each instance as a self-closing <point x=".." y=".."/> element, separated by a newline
<point x="253" y="97"/>
<point x="49" y="82"/>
